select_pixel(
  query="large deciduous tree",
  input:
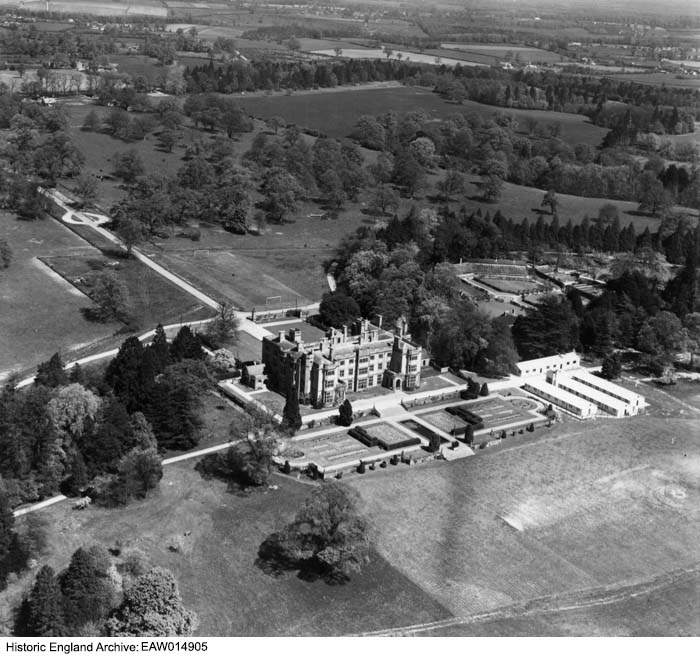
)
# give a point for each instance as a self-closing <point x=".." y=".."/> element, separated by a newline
<point x="152" y="607"/>
<point x="328" y="536"/>
<point x="337" y="309"/>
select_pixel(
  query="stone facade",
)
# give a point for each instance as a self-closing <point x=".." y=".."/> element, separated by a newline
<point x="322" y="372"/>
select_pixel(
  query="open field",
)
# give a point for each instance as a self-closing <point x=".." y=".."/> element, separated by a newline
<point x="154" y="299"/>
<point x="398" y="55"/>
<point x="298" y="278"/>
<point x="519" y="202"/>
<point x="661" y="79"/>
<point x="94" y="7"/>
<point x="500" y="52"/>
<point x="39" y="311"/>
<point x="216" y="565"/>
<point x="336" y="113"/>
<point x="606" y="503"/>
<point x="666" y="606"/>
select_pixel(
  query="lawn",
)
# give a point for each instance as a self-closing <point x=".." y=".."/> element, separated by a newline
<point x="248" y="282"/>
<point x="39" y="311"/>
<point x="216" y="566"/>
<point x="610" y="503"/>
<point x="154" y="299"/>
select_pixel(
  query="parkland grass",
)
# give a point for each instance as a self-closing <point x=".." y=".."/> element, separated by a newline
<point x="215" y="564"/>
<point x="581" y="506"/>
<point x="40" y="313"/>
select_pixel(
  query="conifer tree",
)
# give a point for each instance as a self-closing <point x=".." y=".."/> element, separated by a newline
<point x="160" y="348"/>
<point x="291" y="416"/>
<point x="41" y="615"/>
<point x="345" y="413"/>
<point x="87" y="592"/>
<point x="51" y="373"/>
<point x="186" y="346"/>
<point x="8" y="538"/>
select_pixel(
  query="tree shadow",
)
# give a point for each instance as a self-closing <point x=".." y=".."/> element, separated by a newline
<point x="275" y="562"/>
<point x="211" y="467"/>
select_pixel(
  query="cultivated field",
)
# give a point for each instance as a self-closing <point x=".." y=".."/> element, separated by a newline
<point x="40" y="313"/>
<point x="609" y="503"/>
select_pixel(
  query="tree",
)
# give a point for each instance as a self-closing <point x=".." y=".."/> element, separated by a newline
<point x="249" y="462"/>
<point x="611" y="367"/>
<point x="453" y="184"/>
<point x="173" y="404"/>
<point x="111" y="296"/>
<point x="71" y="410"/>
<point x="152" y="607"/>
<point x="185" y="346"/>
<point x="662" y="336"/>
<point x="131" y="374"/>
<point x="328" y="536"/>
<point x="86" y="187"/>
<point x="281" y="191"/>
<point x="11" y="557"/>
<point x="469" y="434"/>
<point x="337" y="309"/>
<point x="131" y="231"/>
<point x="383" y="198"/>
<point x="484" y="390"/>
<point x="434" y="443"/>
<point x="167" y="139"/>
<point x="41" y="614"/>
<point x="653" y="197"/>
<point x="345" y="413"/>
<point x="51" y="373"/>
<point x="550" y="328"/>
<point x="291" y="416"/>
<point x="87" y="592"/>
<point x="128" y="166"/>
<point x="161" y="349"/>
<point x="5" y="254"/>
<point x="92" y="122"/>
<point x="550" y="200"/>
<point x="138" y="472"/>
<point x="224" y="328"/>
<point x="492" y="187"/>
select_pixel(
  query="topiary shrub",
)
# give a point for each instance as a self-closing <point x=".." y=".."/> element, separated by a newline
<point x="361" y="469"/>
